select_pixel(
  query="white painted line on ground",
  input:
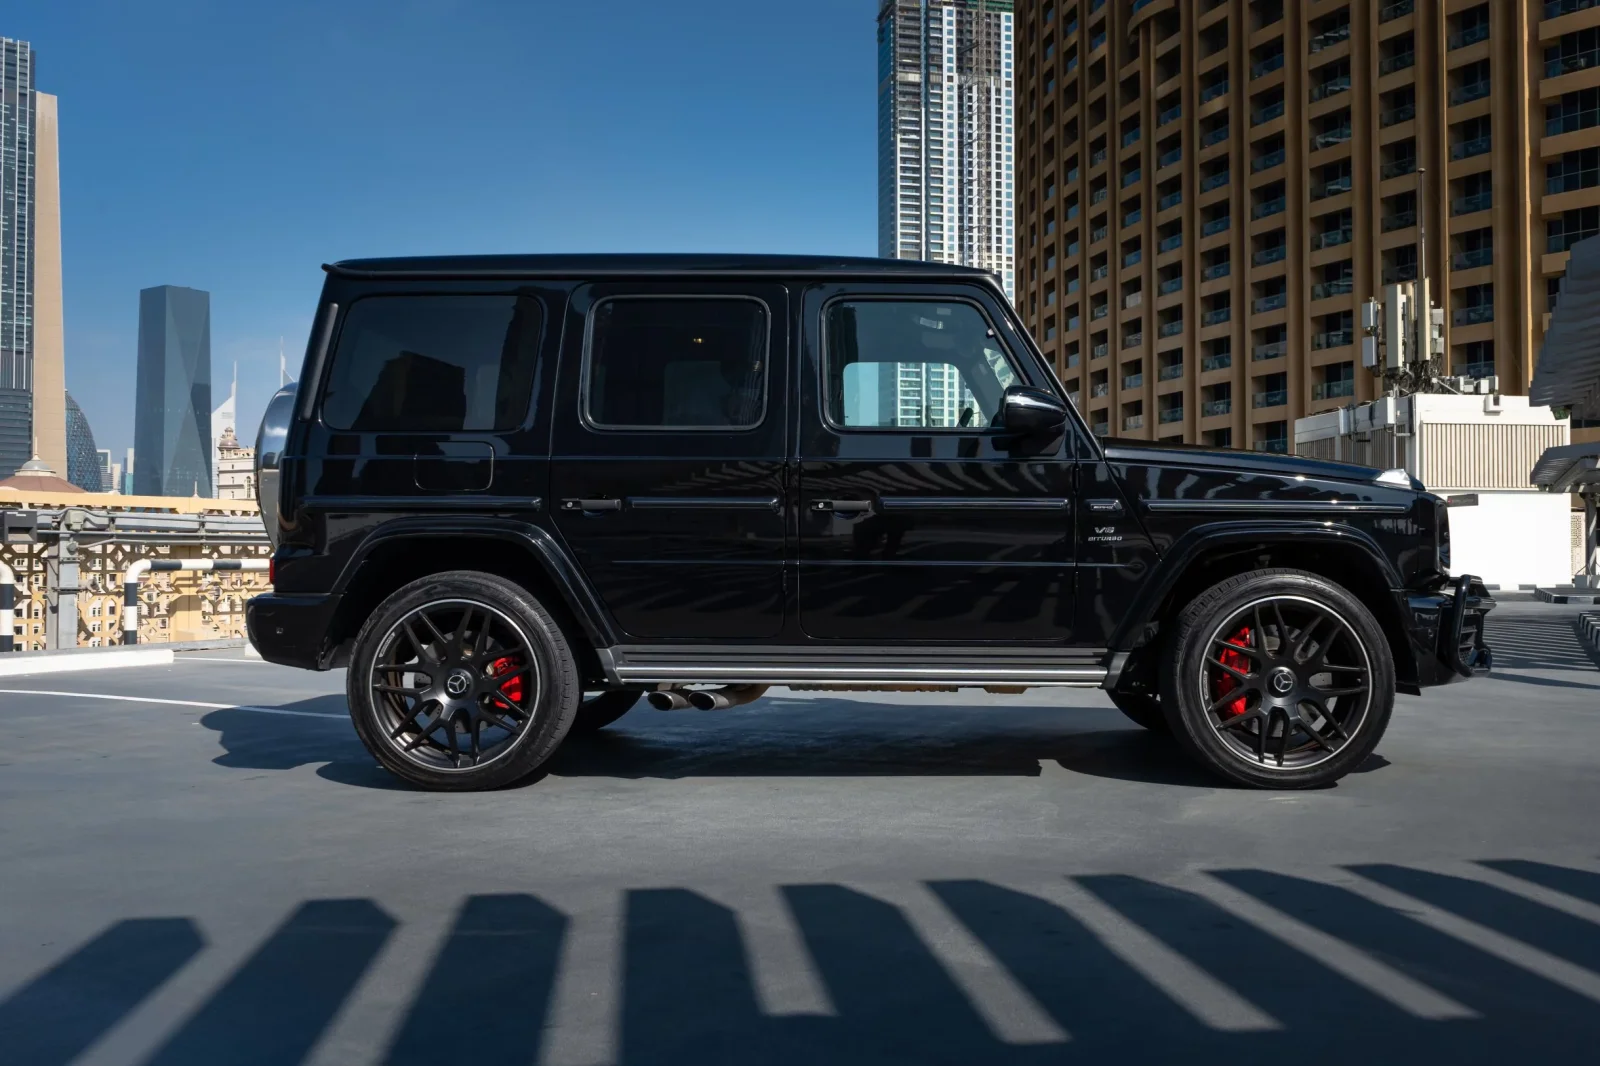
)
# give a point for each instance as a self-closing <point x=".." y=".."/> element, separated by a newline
<point x="1348" y="961"/>
<point x="1211" y="1002"/>
<point x="171" y="703"/>
<point x="111" y="659"/>
<point x="1010" y="1011"/>
<point x="1555" y="970"/>
<point x="785" y="976"/>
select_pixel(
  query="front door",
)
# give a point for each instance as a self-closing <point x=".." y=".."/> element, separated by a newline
<point x="667" y="469"/>
<point x="920" y="518"/>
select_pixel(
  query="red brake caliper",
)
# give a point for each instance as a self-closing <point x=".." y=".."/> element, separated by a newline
<point x="511" y="688"/>
<point x="1226" y="682"/>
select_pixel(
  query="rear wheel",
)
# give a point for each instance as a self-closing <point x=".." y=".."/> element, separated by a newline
<point x="600" y="709"/>
<point x="462" y="681"/>
<point x="1278" y="679"/>
<point x="1143" y="708"/>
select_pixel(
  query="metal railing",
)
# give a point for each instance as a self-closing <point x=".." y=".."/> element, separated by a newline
<point x="1216" y="136"/>
<point x="1266" y="208"/>
<point x="1212" y="408"/>
<point x="1471" y="147"/>
<point x="1263" y="115"/>
<point x="1133" y="381"/>
<point x="1478" y="201"/>
<point x="1261" y="68"/>
<point x="1332" y="187"/>
<point x="1469" y="35"/>
<point x="1476" y="257"/>
<point x="1270" y="398"/>
<point x="1167" y="244"/>
<point x="1213" y="181"/>
<point x="1170" y="329"/>
<point x="1322" y="290"/>
<point x="1331" y="87"/>
<point x="1328" y="38"/>
<point x="1328" y="390"/>
<point x="1396" y="168"/>
<point x="1170" y="286"/>
<point x="1331" y="238"/>
<point x="1399" y="220"/>
<point x="1216" y="362"/>
<point x="1571" y="63"/>
<point x="1465" y="94"/>
<point x="1133" y="422"/>
<point x="1211" y="92"/>
<point x="1270" y="302"/>
<point x="1171" y="114"/>
<point x="1170" y="414"/>
<point x="1215" y="226"/>
<point x="1390" y="12"/>
<point x="1275" y="254"/>
<point x="1170" y="157"/>
<point x="1170" y="372"/>
<point x="1216" y="317"/>
<point x="1133" y="340"/>
<point x="1395" y="115"/>
<point x="1473" y="315"/>
<point x="1172" y="199"/>
<point x="1267" y="161"/>
<point x="1330" y="138"/>
<point x="1216" y="270"/>
<point x="1333" y="338"/>
<point x="1402" y="61"/>
<point x="1271" y="350"/>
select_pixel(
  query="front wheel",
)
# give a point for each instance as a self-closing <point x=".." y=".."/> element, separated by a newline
<point x="1278" y="679"/>
<point x="462" y="681"/>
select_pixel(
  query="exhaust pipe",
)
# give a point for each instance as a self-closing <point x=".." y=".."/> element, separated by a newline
<point x="664" y="700"/>
<point x="720" y="699"/>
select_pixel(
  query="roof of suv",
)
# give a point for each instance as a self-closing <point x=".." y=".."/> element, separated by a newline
<point x="635" y="264"/>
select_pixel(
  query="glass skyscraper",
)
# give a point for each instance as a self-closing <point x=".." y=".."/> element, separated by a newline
<point x="18" y="122"/>
<point x="172" y="422"/>
<point x="83" y="458"/>
<point x="945" y="133"/>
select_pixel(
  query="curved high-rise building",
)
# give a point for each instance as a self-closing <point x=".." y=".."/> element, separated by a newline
<point x="83" y="460"/>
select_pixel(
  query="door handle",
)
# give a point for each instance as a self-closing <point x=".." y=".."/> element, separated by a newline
<point x="842" y="506"/>
<point x="588" y="506"/>
<point x="1104" y="506"/>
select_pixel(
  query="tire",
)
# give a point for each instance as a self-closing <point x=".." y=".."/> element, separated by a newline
<point x="1300" y="689"/>
<point x="477" y="683"/>
<point x="603" y="708"/>
<point x="1143" y="709"/>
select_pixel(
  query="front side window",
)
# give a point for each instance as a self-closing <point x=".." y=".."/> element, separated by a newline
<point x="912" y="364"/>
<point x="676" y="362"/>
<point x="434" y="364"/>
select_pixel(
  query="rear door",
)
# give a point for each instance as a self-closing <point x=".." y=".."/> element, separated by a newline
<point x="667" y="473"/>
<point x="920" y="519"/>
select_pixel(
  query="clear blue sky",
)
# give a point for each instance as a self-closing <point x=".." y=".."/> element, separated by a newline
<point x="236" y="147"/>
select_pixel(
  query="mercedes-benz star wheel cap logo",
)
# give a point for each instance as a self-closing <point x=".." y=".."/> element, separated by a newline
<point x="1282" y="682"/>
<point x="457" y="684"/>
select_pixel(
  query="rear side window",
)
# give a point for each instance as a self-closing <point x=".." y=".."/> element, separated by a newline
<point x="434" y="364"/>
<point x="676" y="362"/>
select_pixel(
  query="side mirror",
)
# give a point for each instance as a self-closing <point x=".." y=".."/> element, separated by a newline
<point x="1031" y="412"/>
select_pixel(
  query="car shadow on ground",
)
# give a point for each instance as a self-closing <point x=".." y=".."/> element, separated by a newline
<point x="775" y="738"/>
<point x="686" y="991"/>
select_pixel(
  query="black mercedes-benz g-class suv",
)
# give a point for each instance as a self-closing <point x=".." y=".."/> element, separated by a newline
<point x="513" y="494"/>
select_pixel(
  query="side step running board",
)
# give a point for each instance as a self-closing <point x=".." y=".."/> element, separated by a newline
<point x="956" y="667"/>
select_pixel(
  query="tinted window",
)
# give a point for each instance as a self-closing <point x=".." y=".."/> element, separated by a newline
<point x="676" y="362"/>
<point x="913" y="364"/>
<point x="434" y="364"/>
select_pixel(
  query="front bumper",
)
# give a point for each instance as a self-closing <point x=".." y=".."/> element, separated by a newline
<point x="1447" y="632"/>
<point x="292" y="630"/>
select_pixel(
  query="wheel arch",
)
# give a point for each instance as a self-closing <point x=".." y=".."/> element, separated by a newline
<point x="1206" y="555"/>
<point x="402" y="551"/>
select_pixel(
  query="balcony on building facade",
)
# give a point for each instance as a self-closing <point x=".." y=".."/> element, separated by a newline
<point x="1097" y="157"/>
<point x="1390" y="64"/>
<point x="1216" y="89"/>
<point x="1170" y="329"/>
<point x="1569" y="64"/>
<point x="1272" y="444"/>
<point x="1169" y="244"/>
<point x="1213" y="408"/>
<point x="1330" y="138"/>
<point x="1329" y="390"/>
<point x="1332" y="187"/>
<point x="1399" y="220"/>
<point x="1171" y="157"/>
<point x="1332" y="87"/>
<point x="1099" y="311"/>
<point x="1273" y="350"/>
<point x="1171" y="114"/>
<point x="1216" y="362"/>
<point x="1475" y="370"/>
<point x="1271" y="302"/>
<point x="1133" y="381"/>
<point x="1470" y="35"/>
<point x="1170" y="414"/>
<point x="1266" y="208"/>
<point x="1102" y="389"/>
<point x="1472" y="146"/>
<point x="1100" y="195"/>
<point x="1170" y="372"/>
<point x="1465" y="94"/>
<point x="1132" y="258"/>
<point x="1131" y="137"/>
<point x="1267" y="161"/>
<point x="1098" y="234"/>
<point x="1214" y="181"/>
<point x="1133" y="299"/>
<point x="1396" y="115"/>
<point x="1329" y="39"/>
<point x="1262" y="68"/>
<point x="1333" y="338"/>
<point x="1473" y="314"/>
<point x="1475" y="257"/>
<point x="1215" y="226"/>
<point x="1270" y="398"/>
<point x="1172" y="199"/>
<point x="1216" y="317"/>
<point x="1100" y="351"/>
<point x="1397" y="168"/>
<point x="1263" y="115"/>
<point x="1133" y="422"/>
<point x="1216" y="136"/>
<point x="1170" y="286"/>
<point x="1275" y="254"/>
<point x="1322" y="290"/>
<point x="1132" y="217"/>
<point x="1466" y="205"/>
<point x="1133" y="340"/>
<point x="1397" y="9"/>
<point x="1216" y="270"/>
<point x="1331" y="238"/>
<point x="1131" y="176"/>
<point x="1096" y="273"/>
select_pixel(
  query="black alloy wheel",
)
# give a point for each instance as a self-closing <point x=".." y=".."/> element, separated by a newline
<point x="1279" y="679"/>
<point x="462" y="681"/>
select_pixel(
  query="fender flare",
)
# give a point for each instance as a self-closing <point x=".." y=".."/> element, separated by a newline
<point x="1176" y="560"/>
<point x="542" y="546"/>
